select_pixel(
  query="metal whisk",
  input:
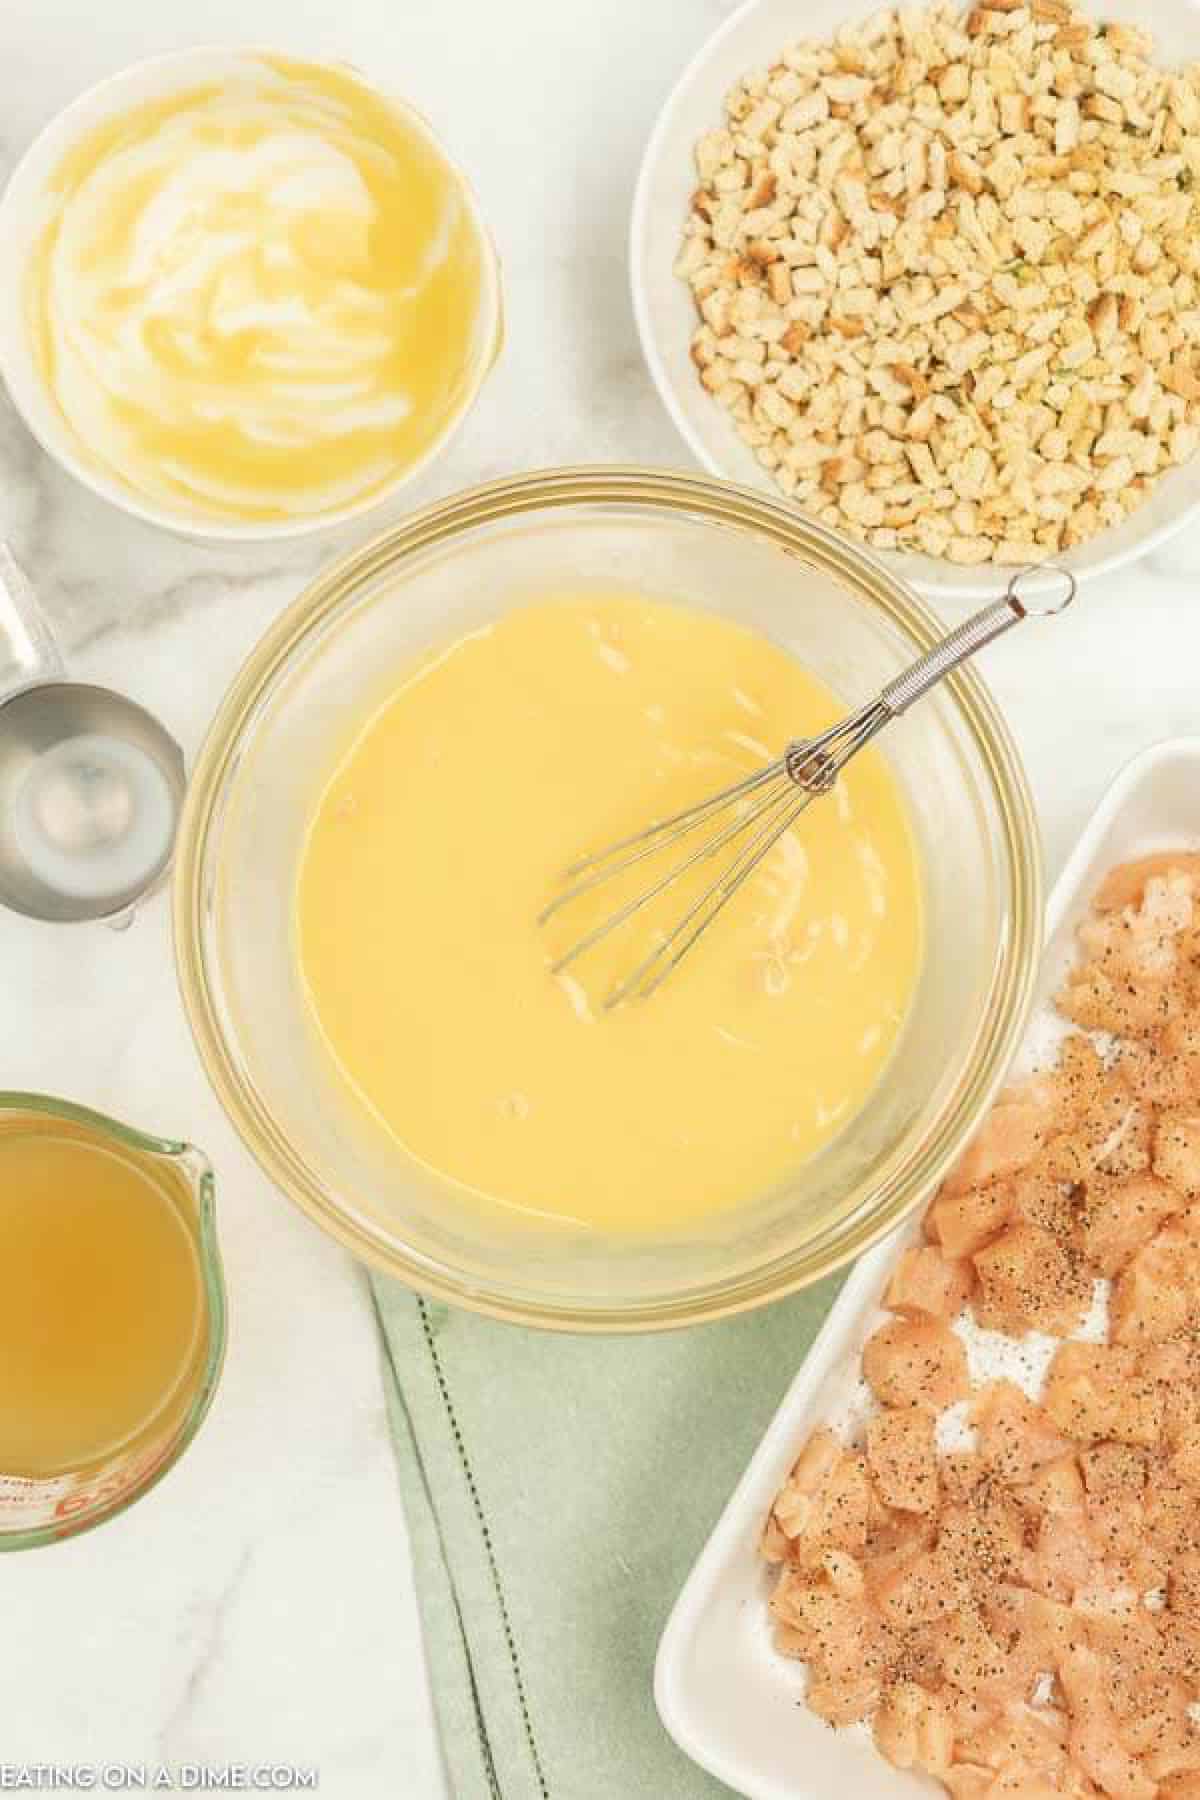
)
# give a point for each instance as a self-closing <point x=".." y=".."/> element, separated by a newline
<point x="767" y="803"/>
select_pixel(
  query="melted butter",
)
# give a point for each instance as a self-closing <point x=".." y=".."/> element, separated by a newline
<point x="446" y="827"/>
<point x="257" y="299"/>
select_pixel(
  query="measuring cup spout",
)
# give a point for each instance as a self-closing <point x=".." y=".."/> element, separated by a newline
<point x="33" y="655"/>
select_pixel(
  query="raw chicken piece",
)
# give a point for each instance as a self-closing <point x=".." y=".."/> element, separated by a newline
<point x="1043" y="1198"/>
<point x="902" y="1458"/>
<point x="1183" y="1583"/>
<point x="1162" y="1071"/>
<point x="1056" y="1488"/>
<point x="1011" y="1138"/>
<point x="797" y="1502"/>
<point x="1043" y="1628"/>
<point x="1115" y="1218"/>
<point x="983" y="1538"/>
<point x="1028" y="1745"/>
<point x="1140" y="945"/>
<point x="1177" y="1152"/>
<point x="1156" y="1727"/>
<point x="976" y="1661"/>
<point x="892" y="1534"/>
<point x="1126" y="885"/>
<point x="968" y="1713"/>
<point x="1116" y="1624"/>
<point x="1015" y="1436"/>
<point x="1029" y="1281"/>
<point x="916" y="1362"/>
<point x="1097" y="1002"/>
<point x="1183" y="1436"/>
<point x="1097" y="1391"/>
<point x="1174" y="1364"/>
<point x="913" y="1728"/>
<point x="1082" y="1074"/>
<point x="842" y="1702"/>
<point x="963" y="1223"/>
<point x="824" y="1502"/>
<point x="1181" y="1655"/>
<point x="917" y="1590"/>
<point x="967" y="1782"/>
<point x="1095" y="1741"/>
<point x="1127" y="1148"/>
<point x="1113" y="1469"/>
<point x="1063" y="1557"/>
<point x="925" y="1284"/>
<point x="961" y="1472"/>
<point x="1116" y="1140"/>
<point x="1157" y="1294"/>
<point x="1172" y="1516"/>
<point x="843" y="1573"/>
<point x="835" y="1634"/>
<point x="1116" y="1521"/>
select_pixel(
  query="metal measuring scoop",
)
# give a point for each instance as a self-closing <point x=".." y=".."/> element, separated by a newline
<point x="91" y="785"/>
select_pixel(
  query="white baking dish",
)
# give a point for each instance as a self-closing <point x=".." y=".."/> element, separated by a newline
<point x="723" y="1692"/>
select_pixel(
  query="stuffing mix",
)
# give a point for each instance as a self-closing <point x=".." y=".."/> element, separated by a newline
<point x="1020" y="1615"/>
<point x="946" y="271"/>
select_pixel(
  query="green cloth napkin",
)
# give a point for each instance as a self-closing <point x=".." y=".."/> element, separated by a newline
<point x="558" y="1490"/>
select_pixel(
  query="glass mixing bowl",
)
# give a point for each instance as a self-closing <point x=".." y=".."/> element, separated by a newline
<point x="335" y="655"/>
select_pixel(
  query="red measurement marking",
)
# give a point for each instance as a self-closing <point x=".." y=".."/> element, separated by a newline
<point x="113" y="1486"/>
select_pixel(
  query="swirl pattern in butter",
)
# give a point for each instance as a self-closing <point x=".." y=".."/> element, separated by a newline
<point x="259" y="299"/>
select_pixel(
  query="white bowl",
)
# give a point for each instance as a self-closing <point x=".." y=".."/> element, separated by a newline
<point x="23" y="212"/>
<point x="666" y="317"/>
<point x="730" y="1700"/>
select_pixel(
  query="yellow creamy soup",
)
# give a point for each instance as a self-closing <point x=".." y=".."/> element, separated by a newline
<point x="258" y="298"/>
<point x="447" y="826"/>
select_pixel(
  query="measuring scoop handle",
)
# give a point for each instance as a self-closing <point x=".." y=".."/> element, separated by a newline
<point x="33" y="654"/>
<point x="969" y="638"/>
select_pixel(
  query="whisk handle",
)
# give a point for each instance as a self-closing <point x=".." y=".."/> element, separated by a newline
<point x="969" y="638"/>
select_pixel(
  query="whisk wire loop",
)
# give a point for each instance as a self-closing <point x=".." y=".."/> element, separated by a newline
<point x="770" y="800"/>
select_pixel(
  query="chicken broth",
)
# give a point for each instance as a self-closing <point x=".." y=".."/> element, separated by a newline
<point x="101" y="1299"/>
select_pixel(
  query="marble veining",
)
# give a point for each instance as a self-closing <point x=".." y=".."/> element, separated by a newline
<point x="259" y="1603"/>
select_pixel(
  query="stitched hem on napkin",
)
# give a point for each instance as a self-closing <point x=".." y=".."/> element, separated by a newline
<point x="469" y="1753"/>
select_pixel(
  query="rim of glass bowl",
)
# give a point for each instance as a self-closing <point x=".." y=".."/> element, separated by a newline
<point x="911" y="1171"/>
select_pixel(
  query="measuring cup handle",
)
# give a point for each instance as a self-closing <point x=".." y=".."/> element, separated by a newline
<point x="32" y="649"/>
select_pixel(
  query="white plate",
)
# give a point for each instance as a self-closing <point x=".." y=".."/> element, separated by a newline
<point x="666" y="314"/>
<point x="726" y="1696"/>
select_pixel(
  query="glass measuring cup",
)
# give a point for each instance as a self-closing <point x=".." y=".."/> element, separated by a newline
<point x="35" y="1511"/>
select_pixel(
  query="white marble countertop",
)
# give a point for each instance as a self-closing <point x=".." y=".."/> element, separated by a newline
<point x="258" y="1605"/>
